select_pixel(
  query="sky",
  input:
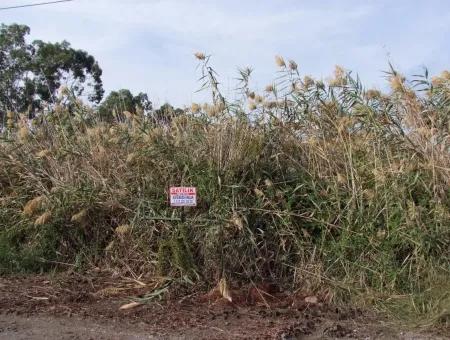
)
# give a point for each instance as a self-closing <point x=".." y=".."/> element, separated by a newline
<point x="148" y="46"/>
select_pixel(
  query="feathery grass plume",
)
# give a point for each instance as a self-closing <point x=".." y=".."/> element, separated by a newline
<point x="424" y="131"/>
<point x="114" y="140"/>
<point x="442" y="212"/>
<point x="437" y="81"/>
<point x="343" y="123"/>
<point x="308" y="81"/>
<point x="258" y="192"/>
<point x="200" y="55"/>
<point x="113" y="131"/>
<point x="220" y="106"/>
<point x="131" y="157"/>
<point x="397" y="83"/>
<point x="100" y="153"/>
<point x="43" y="153"/>
<point x="259" y="99"/>
<point x="379" y="175"/>
<point x="341" y="179"/>
<point x="293" y="65"/>
<point x="320" y="84"/>
<point x="79" y="102"/>
<point x="369" y="194"/>
<point x="381" y="234"/>
<point x="280" y="61"/>
<point x="237" y="221"/>
<point x="123" y="229"/>
<point x="442" y="80"/>
<point x="93" y="131"/>
<point x="271" y="104"/>
<point x="195" y="108"/>
<point x="270" y="88"/>
<point x="412" y="210"/>
<point x="339" y="72"/>
<point x="268" y="183"/>
<point x="211" y="111"/>
<point x="23" y="133"/>
<point x="333" y="82"/>
<point x="215" y="110"/>
<point x="340" y="77"/>
<point x="34" y="205"/>
<point x="205" y="107"/>
<point x="43" y="219"/>
<point x="64" y="90"/>
<point x="154" y="135"/>
<point x="372" y="94"/>
<point x="10" y="123"/>
<point x="445" y="74"/>
<point x="79" y="217"/>
<point x="180" y="122"/>
<point x="139" y="112"/>
<point x="10" y="117"/>
<point x="128" y="114"/>
<point x="59" y="109"/>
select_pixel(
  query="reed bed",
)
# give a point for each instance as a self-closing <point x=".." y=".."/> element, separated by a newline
<point x="315" y="185"/>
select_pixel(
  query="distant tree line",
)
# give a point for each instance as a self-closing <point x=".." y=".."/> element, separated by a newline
<point x="32" y="73"/>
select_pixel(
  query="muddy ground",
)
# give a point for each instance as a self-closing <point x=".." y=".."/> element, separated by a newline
<point x="73" y="306"/>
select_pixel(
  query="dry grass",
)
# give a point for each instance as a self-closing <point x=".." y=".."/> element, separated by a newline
<point x="308" y="185"/>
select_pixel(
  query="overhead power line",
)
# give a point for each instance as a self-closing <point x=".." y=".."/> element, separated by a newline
<point x="34" y="5"/>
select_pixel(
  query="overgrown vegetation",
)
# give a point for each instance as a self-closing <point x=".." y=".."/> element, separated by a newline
<point x="314" y="185"/>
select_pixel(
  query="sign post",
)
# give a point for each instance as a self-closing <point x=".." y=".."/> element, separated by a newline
<point x="183" y="197"/>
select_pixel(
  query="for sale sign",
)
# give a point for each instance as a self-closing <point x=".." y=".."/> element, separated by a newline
<point x="183" y="196"/>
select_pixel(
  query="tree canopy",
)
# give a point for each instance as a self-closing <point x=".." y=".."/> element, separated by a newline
<point x="117" y="102"/>
<point x="165" y="113"/>
<point x="31" y="73"/>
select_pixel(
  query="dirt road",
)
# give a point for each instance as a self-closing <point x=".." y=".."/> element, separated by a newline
<point x="78" y="307"/>
<point x="44" y="328"/>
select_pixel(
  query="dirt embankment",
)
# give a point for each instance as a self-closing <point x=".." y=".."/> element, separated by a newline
<point x="78" y="307"/>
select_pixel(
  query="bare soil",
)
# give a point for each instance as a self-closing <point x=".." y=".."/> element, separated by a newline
<point x="73" y="306"/>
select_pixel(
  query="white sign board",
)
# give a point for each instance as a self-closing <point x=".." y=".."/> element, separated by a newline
<point x="183" y="196"/>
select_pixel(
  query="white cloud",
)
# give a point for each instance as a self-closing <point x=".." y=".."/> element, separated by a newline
<point x="148" y="45"/>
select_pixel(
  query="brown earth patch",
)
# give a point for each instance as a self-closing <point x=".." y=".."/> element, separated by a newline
<point x="75" y="306"/>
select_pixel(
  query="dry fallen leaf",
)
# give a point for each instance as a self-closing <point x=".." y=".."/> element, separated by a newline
<point x="258" y="192"/>
<point x="130" y="305"/>
<point x="312" y="300"/>
<point x="237" y="221"/>
<point x="109" y="291"/>
<point x="223" y="289"/>
<point x="268" y="183"/>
